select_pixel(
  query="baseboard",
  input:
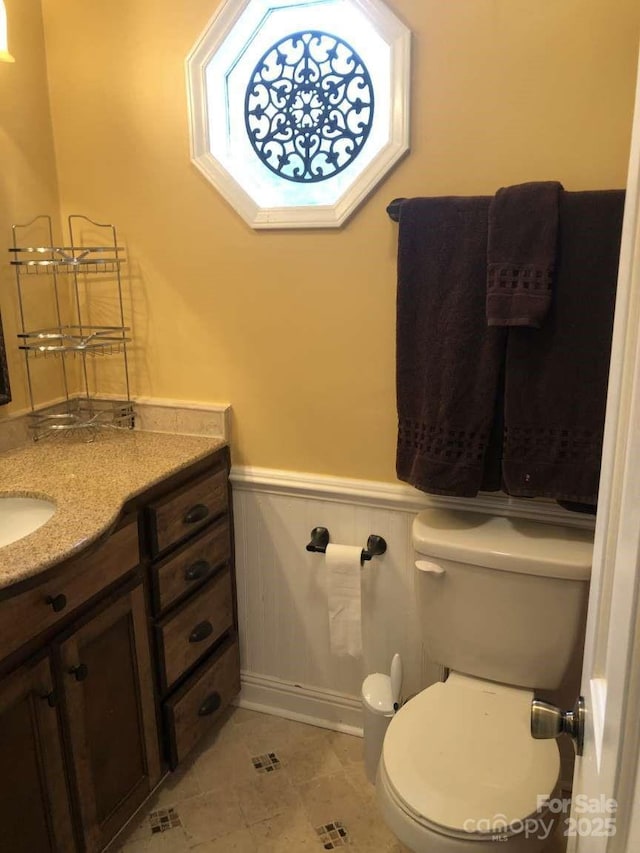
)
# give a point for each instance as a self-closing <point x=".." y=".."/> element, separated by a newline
<point x="324" y="708"/>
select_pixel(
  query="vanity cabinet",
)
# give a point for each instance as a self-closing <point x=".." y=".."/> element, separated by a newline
<point x="190" y="535"/>
<point x="78" y="720"/>
<point x="44" y="606"/>
<point x="35" y="810"/>
<point x="115" y="663"/>
<point x="107" y="693"/>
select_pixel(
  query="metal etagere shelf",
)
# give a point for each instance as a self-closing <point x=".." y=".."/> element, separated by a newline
<point x="66" y="259"/>
<point x="96" y="340"/>
<point x="71" y="337"/>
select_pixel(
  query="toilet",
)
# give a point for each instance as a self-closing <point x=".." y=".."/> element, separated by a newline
<point x="502" y="604"/>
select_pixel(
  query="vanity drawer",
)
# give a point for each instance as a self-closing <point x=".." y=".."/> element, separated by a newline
<point x="185" y="636"/>
<point x="192" y="565"/>
<point x="187" y="509"/>
<point x="197" y="706"/>
<point x="29" y="613"/>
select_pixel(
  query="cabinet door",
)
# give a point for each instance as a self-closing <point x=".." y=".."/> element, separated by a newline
<point x="107" y="678"/>
<point x="34" y="807"/>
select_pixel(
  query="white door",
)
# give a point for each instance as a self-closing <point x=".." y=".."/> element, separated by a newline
<point x="611" y="674"/>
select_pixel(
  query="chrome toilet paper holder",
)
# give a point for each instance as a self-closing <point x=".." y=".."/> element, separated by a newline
<point x="376" y="545"/>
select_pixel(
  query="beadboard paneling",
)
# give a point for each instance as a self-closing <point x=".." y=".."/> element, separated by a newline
<point x="282" y="593"/>
<point x="287" y="664"/>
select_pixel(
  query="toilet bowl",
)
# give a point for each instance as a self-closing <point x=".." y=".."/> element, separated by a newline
<point x="460" y="772"/>
<point x="502" y="603"/>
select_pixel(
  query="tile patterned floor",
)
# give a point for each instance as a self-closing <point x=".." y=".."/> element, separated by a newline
<point x="263" y="784"/>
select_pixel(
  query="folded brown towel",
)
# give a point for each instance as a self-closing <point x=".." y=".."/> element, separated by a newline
<point x="448" y="359"/>
<point x="521" y="253"/>
<point x="556" y="376"/>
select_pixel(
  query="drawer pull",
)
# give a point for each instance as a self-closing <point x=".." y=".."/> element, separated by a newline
<point x="198" y="570"/>
<point x="57" y="602"/>
<point x="210" y="704"/>
<point x="80" y="672"/>
<point x="201" y="632"/>
<point x="197" y="513"/>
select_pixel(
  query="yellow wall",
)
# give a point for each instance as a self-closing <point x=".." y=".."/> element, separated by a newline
<point x="296" y="329"/>
<point x="28" y="182"/>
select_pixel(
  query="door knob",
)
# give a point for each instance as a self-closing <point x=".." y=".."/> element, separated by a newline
<point x="548" y="721"/>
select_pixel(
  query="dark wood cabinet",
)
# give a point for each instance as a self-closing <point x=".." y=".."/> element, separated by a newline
<point x="78" y="731"/>
<point x="193" y="709"/>
<point x="108" y="697"/>
<point x="193" y="585"/>
<point x="189" y="634"/>
<point x="186" y="509"/>
<point x="114" y="664"/>
<point x="183" y="572"/>
<point x="46" y="605"/>
<point x="34" y="803"/>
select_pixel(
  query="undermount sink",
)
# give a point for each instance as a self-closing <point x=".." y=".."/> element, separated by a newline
<point x="21" y="516"/>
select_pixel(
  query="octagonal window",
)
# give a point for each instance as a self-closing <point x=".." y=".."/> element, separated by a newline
<point x="298" y="108"/>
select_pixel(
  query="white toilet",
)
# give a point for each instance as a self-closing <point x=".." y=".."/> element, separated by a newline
<point x="502" y="605"/>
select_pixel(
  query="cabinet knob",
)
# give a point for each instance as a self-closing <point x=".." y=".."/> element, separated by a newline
<point x="210" y="704"/>
<point x="81" y="671"/>
<point x="57" y="602"/>
<point x="201" y="632"/>
<point x="50" y="698"/>
<point x="197" y="513"/>
<point x="197" y="570"/>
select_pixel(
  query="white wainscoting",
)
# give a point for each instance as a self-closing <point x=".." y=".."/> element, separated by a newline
<point x="287" y="665"/>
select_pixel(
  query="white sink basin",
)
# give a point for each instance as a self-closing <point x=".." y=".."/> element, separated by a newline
<point x="21" y="516"/>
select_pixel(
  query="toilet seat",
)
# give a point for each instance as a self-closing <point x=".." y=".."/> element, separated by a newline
<point x="459" y="758"/>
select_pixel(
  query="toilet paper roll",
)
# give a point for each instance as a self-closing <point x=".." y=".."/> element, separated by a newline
<point x="345" y="624"/>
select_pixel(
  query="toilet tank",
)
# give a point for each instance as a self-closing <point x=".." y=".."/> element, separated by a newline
<point x="501" y="598"/>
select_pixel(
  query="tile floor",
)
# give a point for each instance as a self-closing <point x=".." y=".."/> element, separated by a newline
<point x="263" y="784"/>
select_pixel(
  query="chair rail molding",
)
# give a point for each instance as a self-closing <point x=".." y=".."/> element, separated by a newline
<point x="398" y="496"/>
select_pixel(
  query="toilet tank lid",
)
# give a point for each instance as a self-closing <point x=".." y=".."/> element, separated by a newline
<point x="508" y="544"/>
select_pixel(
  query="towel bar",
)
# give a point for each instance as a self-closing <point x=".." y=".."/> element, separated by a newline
<point x="376" y="545"/>
<point x="393" y="209"/>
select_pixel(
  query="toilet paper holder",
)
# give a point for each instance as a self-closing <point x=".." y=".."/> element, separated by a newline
<point x="376" y="545"/>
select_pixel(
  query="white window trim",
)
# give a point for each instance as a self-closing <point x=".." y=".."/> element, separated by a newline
<point x="397" y="36"/>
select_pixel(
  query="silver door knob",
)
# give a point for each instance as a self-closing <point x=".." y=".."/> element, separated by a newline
<point x="548" y="721"/>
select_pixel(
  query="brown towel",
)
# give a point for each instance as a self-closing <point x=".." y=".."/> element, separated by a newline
<point x="448" y="360"/>
<point x="5" y="388"/>
<point x="556" y="376"/>
<point x="521" y="253"/>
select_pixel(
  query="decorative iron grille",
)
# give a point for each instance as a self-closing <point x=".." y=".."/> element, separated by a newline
<point x="309" y="106"/>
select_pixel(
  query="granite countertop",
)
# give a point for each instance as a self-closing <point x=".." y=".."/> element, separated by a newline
<point x="89" y="482"/>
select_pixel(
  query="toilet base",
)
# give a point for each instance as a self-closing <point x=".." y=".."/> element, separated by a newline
<point x="422" y="839"/>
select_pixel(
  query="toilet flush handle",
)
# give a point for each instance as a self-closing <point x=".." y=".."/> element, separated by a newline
<point x="429" y="568"/>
